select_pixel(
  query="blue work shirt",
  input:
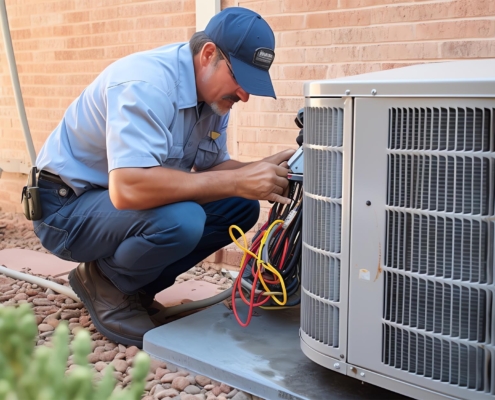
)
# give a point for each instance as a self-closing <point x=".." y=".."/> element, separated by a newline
<point x="141" y="111"/>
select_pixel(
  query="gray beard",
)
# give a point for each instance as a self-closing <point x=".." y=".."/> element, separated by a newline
<point x="217" y="110"/>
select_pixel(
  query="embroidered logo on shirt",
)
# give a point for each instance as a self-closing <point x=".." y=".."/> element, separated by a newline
<point x="214" y="135"/>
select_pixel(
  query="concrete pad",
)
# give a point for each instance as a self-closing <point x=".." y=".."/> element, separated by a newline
<point x="264" y="359"/>
<point x="39" y="263"/>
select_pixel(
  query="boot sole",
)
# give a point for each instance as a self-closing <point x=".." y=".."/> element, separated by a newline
<point x="79" y="289"/>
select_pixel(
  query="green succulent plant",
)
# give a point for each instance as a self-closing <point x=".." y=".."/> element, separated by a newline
<point x="29" y="373"/>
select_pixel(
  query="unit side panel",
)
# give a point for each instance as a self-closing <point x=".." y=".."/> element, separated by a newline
<point x="421" y="291"/>
<point x="324" y="286"/>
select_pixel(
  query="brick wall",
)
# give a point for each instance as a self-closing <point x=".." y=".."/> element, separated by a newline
<point x="61" y="46"/>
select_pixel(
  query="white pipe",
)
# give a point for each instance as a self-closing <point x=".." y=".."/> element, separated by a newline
<point x="67" y="291"/>
<point x="194" y="305"/>
<point x="4" y="22"/>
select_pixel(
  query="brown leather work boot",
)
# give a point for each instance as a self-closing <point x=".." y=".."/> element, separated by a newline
<point x="118" y="316"/>
<point x="153" y="308"/>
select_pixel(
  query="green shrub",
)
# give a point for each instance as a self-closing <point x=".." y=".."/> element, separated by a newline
<point x="27" y="373"/>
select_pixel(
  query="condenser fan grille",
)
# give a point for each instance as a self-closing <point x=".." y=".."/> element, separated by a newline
<point x="439" y="238"/>
<point x="322" y="208"/>
<point x="443" y="360"/>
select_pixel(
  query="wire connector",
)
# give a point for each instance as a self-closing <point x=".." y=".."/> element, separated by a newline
<point x="289" y="219"/>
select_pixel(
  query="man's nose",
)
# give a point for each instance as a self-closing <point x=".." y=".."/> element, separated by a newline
<point x="242" y="94"/>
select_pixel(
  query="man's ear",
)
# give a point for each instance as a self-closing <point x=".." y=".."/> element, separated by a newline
<point x="208" y="54"/>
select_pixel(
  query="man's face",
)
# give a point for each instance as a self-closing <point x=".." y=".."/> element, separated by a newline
<point x="217" y="85"/>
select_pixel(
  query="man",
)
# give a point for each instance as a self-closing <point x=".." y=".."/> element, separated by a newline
<point x="136" y="182"/>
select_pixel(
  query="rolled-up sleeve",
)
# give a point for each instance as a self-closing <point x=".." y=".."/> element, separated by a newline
<point x="138" y="119"/>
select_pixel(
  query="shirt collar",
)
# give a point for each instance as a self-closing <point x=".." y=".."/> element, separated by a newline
<point x="188" y="96"/>
<point x="187" y="80"/>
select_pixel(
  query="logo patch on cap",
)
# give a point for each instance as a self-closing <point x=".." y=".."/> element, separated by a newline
<point x="263" y="58"/>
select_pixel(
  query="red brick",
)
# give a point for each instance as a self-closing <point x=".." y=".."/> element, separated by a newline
<point x="108" y="39"/>
<point x="468" y="49"/>
<point x="160" y="7"/>
<point x="289" y="56"/>
<point x="258" y="150"/>
<point x="150" y="22"/>
<point x="20" y="34"/>
<point x="305" y="72"/>
<point x="180" y="20"/>
<point x="399" y="51"/>
<point x="266" y="7"/>
<point x="283" y="104"/>
<point x="367" y="3"/>
<point x="76" y="17"/>
<point x="248" y="135"/>
<point x="374" y="34"/>
<point x="223" y="3"/>
<point x="456" y="29"/>
<point x="313" y="37"/>
<point x="288" y="88"/>
<point x="286" y="22"/>
<point x="339" y="18"/>
<point x="374" y="52"/>
<point x="65" y="30"/>
<point x="291" y="6"/>
<point x="19" y="22"/>
<point x="104" y="14"/>
<point x="79" y="42"/>
<point x="279" y="136"/>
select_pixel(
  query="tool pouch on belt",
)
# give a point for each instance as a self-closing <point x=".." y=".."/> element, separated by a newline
<point x="31" y="197"/>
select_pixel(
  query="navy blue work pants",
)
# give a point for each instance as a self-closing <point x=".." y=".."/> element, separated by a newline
<point x="137" y="249"/>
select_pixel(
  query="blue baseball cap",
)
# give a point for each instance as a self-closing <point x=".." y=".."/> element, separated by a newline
<point x="249" y="43"/>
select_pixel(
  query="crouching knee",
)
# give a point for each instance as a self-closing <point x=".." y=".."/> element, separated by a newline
<point x="185" y="225"/>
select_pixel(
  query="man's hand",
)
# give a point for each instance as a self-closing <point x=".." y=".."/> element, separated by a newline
<point x="280" y="158"/>
<point x="262" y="181"/>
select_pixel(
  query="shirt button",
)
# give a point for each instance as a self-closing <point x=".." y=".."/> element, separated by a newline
<point x="189" y="145"/>
<point x="62" y="192"/>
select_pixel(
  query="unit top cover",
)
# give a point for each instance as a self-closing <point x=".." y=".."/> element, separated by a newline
<point x="468" y="78"/>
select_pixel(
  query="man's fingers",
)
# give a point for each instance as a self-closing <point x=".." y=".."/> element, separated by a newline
<point x="285" y="154"/>
<point x="279" y="199"/>
<point x="286" y="191"/>
<point x="278" y="190"/>
<point x="281" y="171"/>
<point x="282" y="182"/>
<point x="285" y="164"/>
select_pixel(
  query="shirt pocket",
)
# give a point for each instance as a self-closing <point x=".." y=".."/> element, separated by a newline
<point x="207" y="154"/>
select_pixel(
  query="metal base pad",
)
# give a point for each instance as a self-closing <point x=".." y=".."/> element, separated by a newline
<point x="264" y="359"/>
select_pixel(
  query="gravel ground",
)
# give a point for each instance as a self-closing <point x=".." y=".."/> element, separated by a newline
<point x="165" y="381"/>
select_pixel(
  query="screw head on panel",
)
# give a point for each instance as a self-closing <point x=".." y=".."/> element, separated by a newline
<point x="368" y="203"/>
<point x="362" y="374"/>
<point x="336" y="366"/>
<point x="373" y="92"/>
<point x="347" y="92"/>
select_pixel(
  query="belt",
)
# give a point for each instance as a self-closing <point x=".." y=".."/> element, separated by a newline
<point x="48" y="176"/>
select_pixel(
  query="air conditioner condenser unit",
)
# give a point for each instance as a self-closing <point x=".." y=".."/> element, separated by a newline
<point x="398" y="230"/>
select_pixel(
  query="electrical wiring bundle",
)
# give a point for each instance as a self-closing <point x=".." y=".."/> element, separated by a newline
<point x="270" y="267"/>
